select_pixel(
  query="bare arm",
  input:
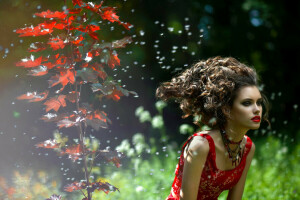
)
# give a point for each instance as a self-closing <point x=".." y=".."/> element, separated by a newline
<point x="193" y="165"/>
<point x="236" y="192"/>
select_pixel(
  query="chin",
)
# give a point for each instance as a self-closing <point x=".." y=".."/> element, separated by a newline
<point x="255" y="127"/>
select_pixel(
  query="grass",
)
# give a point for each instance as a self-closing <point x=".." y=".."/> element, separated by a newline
<point x="274" y="174"/>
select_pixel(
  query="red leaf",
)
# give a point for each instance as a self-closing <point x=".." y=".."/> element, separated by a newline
<point x="37" y="46"/>
<point x="94" y="7"/>
<point x="109" y="14"/>
<point x="93" y="36"/>
<point x="33" y="31"/>
<point x="99" y="68"/>
<point x="48" y="144"/>
<point x="77" y="55"/>
<point x="100" y="186"/>
<point x="97" y="119"/>
<point x="66" y="123"/>
<point x="69" y="121"/>
<point x="116" y="95"/>
<point x="50" y="14"/>
<point x="84" y="65"/>
<point x="97" y="52"/>
<point x="121" y="43"/>
<point x="49" y="65"/>
<point x="113" y="60"/>
<point x="75" y="186"/>
<point x="56" y="43"/>
<point x="81" y="28"/>
<point x="60" y="60"/>
<point x="100" y="115"/>
<point x="91" y="31"/>
<point x="115" y="160"/>
<point x="72" y="96"/>
<point x="74" y="152"/>
<point x="39" y="71"/>
<point x="64" y="78"/>
<point x="27" y="63"/>
<point x="50" y="117"/>
<point x="33" y="96"/>
<point x="112" y="156"/>
<point x="103" y="186"/>
<point x="78" y="40"/>
<point x="126" y="25"/>
<point x="67" y="22"/>
<point x="77" y="2"/>
<point x="47" y="25"/>
<point x="55" y="103"/>
<point x="92" y="28"/>
<point x="83" y="110"/>
<point x="59" y="26"/>
<point x="75" y="10"/>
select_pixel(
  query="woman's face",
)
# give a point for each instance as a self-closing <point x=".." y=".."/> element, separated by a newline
<point x="246" y="106"/>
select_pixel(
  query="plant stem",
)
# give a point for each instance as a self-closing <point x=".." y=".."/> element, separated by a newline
<point x="80" y="131"/>
<point x="81" y="136"/>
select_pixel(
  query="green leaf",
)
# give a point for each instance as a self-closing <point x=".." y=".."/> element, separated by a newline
<point x="145" y="116"/>
<point x="185" y="129"/>
<point x="139" y="111"/>
<point x="160" y="105"/>
<point x="87" y="74"/>
<point x="157" y="122"/>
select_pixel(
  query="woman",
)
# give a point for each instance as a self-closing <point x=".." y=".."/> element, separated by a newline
<point x="226" y="96"/>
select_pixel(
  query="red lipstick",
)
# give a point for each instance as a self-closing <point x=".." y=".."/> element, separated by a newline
<point x="256" y="119"/>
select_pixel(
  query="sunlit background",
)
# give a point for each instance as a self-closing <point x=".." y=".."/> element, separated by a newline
<point x="168" y="36"/>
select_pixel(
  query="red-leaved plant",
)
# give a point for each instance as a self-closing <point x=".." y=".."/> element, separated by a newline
<point x="75" y="56"/>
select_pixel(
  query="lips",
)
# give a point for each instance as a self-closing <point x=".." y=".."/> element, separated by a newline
<point x="256" y="119"/>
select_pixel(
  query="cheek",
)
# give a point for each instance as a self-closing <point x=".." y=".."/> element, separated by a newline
<point x="241" y="112"/>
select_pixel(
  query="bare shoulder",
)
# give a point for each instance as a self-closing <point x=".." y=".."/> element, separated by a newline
<point x="252" y="150"/>
<point x="197" y="146"/>
<point x="194" y="162"/>
<point x="250" y="154"/>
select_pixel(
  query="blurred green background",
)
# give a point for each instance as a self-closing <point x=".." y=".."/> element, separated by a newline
<point x="168" y="37"/>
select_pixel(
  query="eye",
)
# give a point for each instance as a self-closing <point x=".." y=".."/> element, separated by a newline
<point x="246" y="103"/>
<point x="259" y="103"/>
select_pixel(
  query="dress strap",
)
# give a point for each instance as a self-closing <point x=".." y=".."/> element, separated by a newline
<point x="248" y="145"/>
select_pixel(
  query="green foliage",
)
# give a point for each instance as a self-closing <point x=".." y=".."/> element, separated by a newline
<point x="143" y="115"/>
<point x="144" y="179"/>
<point x="185" y="129"/>
<point x="272" y="174"/>
<point x="149" y="173"/>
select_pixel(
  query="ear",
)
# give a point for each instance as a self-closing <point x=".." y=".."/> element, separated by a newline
<point x="226" y="111"/>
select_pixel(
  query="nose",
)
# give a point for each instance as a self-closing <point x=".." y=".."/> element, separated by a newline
<point x="256" y="109"/>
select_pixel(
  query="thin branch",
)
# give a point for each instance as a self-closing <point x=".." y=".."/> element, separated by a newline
<point x="83" y="193"/>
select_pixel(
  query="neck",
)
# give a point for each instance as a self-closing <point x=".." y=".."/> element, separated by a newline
<point x="235" y="134"/>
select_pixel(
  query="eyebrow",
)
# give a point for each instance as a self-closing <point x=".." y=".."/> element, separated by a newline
<point x="251" y="99"/>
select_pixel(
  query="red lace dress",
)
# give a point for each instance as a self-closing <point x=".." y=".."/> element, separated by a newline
<point x="213" y="181"/>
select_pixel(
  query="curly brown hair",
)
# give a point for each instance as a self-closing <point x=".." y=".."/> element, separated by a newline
<point x="207" y="87"/>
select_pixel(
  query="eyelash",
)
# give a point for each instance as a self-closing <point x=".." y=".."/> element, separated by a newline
<point x="247" y="103"/>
